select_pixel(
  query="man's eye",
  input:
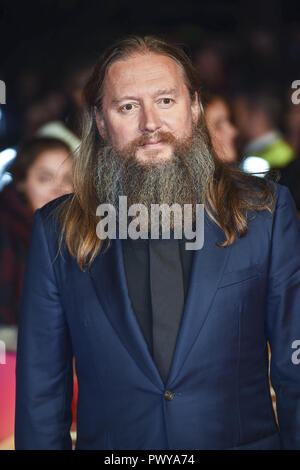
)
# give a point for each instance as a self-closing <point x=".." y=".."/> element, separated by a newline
<point x="127" y="107"/>
<point x="166" y="101"/>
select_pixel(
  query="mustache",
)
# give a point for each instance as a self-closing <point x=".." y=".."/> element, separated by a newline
<point x="144" y="139"/>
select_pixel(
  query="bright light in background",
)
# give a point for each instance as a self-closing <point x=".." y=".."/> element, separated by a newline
<point x="257" y="166"/>
<point x="6" y="178"/>
<point x="6" y="157"/>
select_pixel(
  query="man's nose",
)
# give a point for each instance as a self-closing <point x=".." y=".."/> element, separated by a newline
<point x="150" y="119"/>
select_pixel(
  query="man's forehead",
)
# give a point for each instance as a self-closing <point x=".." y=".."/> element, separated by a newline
<point x="153" y="72"/>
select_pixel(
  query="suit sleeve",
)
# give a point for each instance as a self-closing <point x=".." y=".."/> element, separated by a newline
<point x="283" y="317"/>
<point x="44" y="373"/>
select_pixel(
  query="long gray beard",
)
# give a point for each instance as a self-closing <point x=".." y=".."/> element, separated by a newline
<point x="182" y="180"/>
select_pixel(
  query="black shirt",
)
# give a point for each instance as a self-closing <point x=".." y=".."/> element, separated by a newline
<point x="136" y="262"/>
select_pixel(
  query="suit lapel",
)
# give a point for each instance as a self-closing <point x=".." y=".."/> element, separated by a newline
<point x="109" y="280"/>
<point x="208" y="266"/>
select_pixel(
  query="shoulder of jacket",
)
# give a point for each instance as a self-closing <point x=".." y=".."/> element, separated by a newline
<point x="282" y="195"/>
<point x="48" y="213"/>
<point x="50" y="208"/>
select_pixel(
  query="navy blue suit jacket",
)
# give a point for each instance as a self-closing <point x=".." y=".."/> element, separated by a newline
<point x="239" y="298"/>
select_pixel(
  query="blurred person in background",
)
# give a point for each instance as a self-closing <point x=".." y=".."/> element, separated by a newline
<point x="41" y="171"/>
<point x="76" y="75"/>
<point x="291" y="121"/>
<point x="210" y="62"/>
<point x="222" y="132"/>
<point x="256" y="115"/>
<point x="290" y="175"/>
<point x="50" y="107"/>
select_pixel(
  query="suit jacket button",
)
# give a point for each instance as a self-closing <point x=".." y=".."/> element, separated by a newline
<point x="169" y="395"/>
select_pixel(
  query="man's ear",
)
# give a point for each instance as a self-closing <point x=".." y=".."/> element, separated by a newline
<point x="195" y="108"/>
<point x="100" y="123"/>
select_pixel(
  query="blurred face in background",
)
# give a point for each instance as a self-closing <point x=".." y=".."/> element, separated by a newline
<point x="49" y="177"/>
<point x="221" y="130"/>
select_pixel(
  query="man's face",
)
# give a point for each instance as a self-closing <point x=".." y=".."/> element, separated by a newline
<point x="146" y="101"/>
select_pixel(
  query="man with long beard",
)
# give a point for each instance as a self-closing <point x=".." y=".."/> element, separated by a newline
<point x="170" y="344"/>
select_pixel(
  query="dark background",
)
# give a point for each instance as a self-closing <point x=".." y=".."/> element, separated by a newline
<point x="44" y="44"/>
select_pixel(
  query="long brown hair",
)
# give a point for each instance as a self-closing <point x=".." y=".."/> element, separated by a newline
<point x="230" y="194"/>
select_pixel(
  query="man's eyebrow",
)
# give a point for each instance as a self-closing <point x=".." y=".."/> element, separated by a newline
<point x="165" y="91"/>
<point x="124" y="98"/>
